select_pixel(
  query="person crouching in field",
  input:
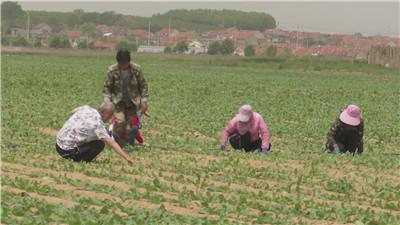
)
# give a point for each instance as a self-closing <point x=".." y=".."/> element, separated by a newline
<point x="244" y="131"/>
<point x="346" y="133"/>
<point x="83" y="136"/>
<point x="126" y="87"/>
<point x="135" y="134"/>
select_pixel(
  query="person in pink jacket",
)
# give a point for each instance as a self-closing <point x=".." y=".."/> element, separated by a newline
<point x="248" y="131"/>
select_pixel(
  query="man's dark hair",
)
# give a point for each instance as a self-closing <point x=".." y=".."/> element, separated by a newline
<point x="123" y="56"/>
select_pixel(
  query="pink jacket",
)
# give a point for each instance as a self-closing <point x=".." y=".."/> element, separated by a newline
<point x="258" y="127"/>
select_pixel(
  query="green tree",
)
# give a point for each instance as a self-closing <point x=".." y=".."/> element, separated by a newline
<point x="227" y="47"/>
<point x="75" y="18"/>
<point x="214" y="48"/>
<point x="11" y="15"/>
<point x="288" y="52"/>
<point x="91" y="45"/>
<point x="65" y="42"/>
<point x="168" y="49"/>
<point x="5" y="40"/>
<point x="37" y="44"/>
<point x="88" y="29"/>
<point x="82" y="45"/>
<point x="126" y="45"/>
<point x="108" y="18"/>
<point x="181" y="47"/>
<point x="122" y="45"/>
<point x="206" y="19"/>
<point x="58" y="41"/>
<point x="272" y="50"/>
<point x="91" y="17"/>
<point x="249" y="50"/>
<point x="19" y="41"/>
<point x="54" y="42"/>
<point x="11" y="10"/>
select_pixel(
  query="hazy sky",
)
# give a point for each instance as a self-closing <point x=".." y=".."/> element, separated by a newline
<point x="369" y="18"/>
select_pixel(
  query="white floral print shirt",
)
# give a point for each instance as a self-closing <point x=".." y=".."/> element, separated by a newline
<point x="85" y="125"/>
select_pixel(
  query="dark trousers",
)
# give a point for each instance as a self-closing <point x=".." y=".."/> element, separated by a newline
<point x="244" y="142"/>
<point x="86" y="152"/>
<point x="124" y="114"/>
<point x="344" y="147"/>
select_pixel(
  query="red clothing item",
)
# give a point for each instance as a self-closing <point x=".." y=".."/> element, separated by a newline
<point x="134" y="122"/>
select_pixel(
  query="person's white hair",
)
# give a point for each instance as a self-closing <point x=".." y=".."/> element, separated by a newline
<point x="107" y="106"/>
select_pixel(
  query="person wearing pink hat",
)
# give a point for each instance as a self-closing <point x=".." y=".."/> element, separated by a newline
<point x="346" y="133"/>
<point x="248" y="131"/>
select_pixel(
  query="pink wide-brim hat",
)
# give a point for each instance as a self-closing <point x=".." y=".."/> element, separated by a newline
<point x="351" y="115"/>
<point x="245" y="113"/>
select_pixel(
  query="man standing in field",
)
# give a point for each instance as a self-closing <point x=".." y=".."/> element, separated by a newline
<point x="83" y="136"/>
<point x="127" y="89"/>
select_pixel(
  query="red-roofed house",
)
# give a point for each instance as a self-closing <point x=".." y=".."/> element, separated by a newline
<point x="304" y="52"/>
<point x="284" y="48"/>
<point x="139" y="33"/>
<point x="277" y="35"/>
<point x="40" y="31"/>
<point x="185" y="36"/>
<point x="338" y="39"/>
<point x="181" y="36"/>
<point x="116" y="38"/>
<point x="142" y="36"/>
<point x="103" y="45"/>
<point x="102" y="28"/>
<point x="218" y="35"/>
<point x="310" y="35"/>
<point x="166" y="32"/>
<point x="252" y="37"/>
<point x="42" y="27"/>
<point x="75" y="37"/>
<point x="165" y="41"/>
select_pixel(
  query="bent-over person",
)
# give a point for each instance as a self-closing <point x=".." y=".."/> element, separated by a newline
<point x="84" y="135"/>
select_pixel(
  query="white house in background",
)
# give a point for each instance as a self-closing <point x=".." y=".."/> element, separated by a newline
<point x="196" y="47"/>
<point x="18" y="32"/>
<point x="151" y="49"/>
<point x="108" y="34"/>
<point x="239" y="51"/>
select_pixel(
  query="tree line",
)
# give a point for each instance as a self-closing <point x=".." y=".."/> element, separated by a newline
<point x="198" y="20"/>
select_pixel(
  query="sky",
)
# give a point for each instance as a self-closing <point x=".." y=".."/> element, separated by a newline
<point x="368" y="18"/>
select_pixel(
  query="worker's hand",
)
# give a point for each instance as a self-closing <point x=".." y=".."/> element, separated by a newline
<point x="222" y="148"/>
<point x="144" y="107"/>
<point x="144" y="144"/>
<point x="265" y="151"/>
<point x="129" y="161"/>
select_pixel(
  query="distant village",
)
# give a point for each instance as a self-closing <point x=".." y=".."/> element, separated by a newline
<point x="296" y="43"/>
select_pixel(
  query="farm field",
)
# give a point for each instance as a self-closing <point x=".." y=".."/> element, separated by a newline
<point x="183" y="178"/>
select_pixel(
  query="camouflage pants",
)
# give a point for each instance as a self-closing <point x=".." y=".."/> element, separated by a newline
<point x="124" y="114"/>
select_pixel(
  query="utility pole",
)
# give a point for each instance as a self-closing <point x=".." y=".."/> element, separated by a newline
<point x="169" y="30"/>
<point x="307" y="38"/>
<point x="28" y="26"/>
<point x="148" y="34"/>
<point x="235" y="34"/>
<point x="297" y="37"/>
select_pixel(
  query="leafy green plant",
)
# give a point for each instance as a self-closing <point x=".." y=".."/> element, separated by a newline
<point x="296" y="179"/>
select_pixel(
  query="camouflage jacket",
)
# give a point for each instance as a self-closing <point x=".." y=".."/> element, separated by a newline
<point x="346" y="134"/>
<point x="138" y="89"/>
